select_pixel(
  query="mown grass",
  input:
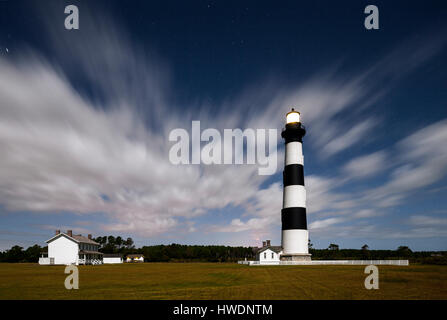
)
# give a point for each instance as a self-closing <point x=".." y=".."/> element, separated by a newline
<point x="221" y="281"/>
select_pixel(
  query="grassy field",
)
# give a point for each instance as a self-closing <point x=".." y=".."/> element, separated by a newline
<point x="221" y="281"/>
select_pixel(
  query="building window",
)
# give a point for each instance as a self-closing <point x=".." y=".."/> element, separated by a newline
<point x="273" y="256"/>
<point x="265" y="255"/>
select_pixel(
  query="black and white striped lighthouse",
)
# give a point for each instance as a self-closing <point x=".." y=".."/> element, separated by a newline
<point x="295" y="236"/>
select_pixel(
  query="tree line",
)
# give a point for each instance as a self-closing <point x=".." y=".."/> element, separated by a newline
<point x="184" y="253"/>
<point x="333" y="252"/>
<point x="175" y="252"/>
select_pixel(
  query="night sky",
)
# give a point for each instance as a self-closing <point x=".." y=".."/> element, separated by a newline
<point x="85" y="117"/>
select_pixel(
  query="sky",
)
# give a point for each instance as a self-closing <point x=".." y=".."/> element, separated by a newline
<point x="85" y="117"/>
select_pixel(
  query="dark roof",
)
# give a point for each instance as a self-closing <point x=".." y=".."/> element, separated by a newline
<point x="134" y="255"/>
<point x="112" y="255"/>
<point x="83" y="239"/>
<point x="77" y="238"/>
<point x="276" y="249"/>
<point x="89" y="252"/>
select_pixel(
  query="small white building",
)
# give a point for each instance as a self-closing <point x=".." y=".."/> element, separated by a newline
<point x="268" y="253"/>
<point x="135" y="258"/>
<point x="66" y="248"/>
<point x="112" y="258"/>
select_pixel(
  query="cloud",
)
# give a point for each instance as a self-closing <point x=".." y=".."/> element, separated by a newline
<point x="318" y="224"/>
<point x="62" y="153"/>
<point x="420" y="161"/>
<point x="424" y="232"/>
<point x="351" y="137"/>
<point x="237" y="225"/>
<point x="424" y="221"/>
<point x="321" y="193"/>
<point x="265" y="207"/>
<point x="417" y="161"/>
<point x="365" y="166"/>
<point x="367" y="213"/>
<point x="372" y="231"/>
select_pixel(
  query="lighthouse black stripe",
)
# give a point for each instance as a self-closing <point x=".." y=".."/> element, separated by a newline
<point x="293" y="139"/>
<point x="293" y="132"/>
<point x="293" y="218"/>
<point x="293" y="175"/>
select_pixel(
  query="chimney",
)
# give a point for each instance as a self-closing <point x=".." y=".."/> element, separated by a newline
<point x="70" y="233"/>
<point x="58" y="232"/>
<point x="263" y="244"/>
<point x="268" y="243"/>
<point x="90" y="236"/>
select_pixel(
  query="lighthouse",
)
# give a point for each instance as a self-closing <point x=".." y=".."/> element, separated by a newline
<point x="294" y="237"/>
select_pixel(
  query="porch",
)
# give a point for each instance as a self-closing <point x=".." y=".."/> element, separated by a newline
<point x="90" y="257"/>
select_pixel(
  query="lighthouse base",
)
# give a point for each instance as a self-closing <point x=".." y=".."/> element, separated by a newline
<point x="296" y="257"/>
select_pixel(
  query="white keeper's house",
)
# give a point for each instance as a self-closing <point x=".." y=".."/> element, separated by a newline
<point x="67" y="248"/>
<point x="268" y="253"/>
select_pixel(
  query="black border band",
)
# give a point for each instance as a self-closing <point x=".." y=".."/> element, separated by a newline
<point x="293" y="132"/>
<point x="293" y="174"/>
<point x="293" y="218"/>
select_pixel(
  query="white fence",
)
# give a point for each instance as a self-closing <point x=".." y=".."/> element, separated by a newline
<point x="89" y="261"/>
<point x="49" y="261"/>
<point x="44" y="261"/>
<point x="328" y="262"/>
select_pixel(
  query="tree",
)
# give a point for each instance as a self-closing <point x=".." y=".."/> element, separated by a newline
<point x="15" y="254"/>
<point x="404" y="251"/>
<point x="111" y="241"/>
<point x="119" y="242"/>
<point x="129" y="243"/>
<point x="333" y="247"/>
<point x="365" y="252"/>
<point x="32" y="254"/>
<point x="310" y="245"/>
<point x="101" y="241"/>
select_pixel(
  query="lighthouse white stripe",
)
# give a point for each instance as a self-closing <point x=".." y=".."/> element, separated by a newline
<point x="295" y="241"/>
<point x="294" y="196"/>
<point x="294" y="153"/>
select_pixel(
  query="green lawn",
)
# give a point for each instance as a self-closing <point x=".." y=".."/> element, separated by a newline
<point x="221" y="281"/>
